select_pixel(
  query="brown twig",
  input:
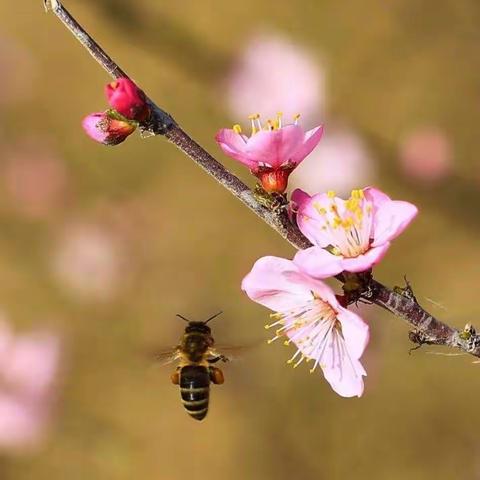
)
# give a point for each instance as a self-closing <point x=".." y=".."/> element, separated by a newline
<point x="400" y="302"/>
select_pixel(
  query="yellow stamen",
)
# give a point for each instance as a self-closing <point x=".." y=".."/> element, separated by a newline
<point x="295" y="118"/>
<point x="279" y="119"/>
<point x="237" y="128"/>
<point x="255" y="127"/>
<point x="331" y="194"/>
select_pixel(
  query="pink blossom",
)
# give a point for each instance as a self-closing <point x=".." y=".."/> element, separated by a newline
<point x="104" y="128"/>
<point x="35" y="178"/>
<point x="273" y="71"/>
<point x="278" y="148"/>
<point x="127" y="99"/>
<point x="19" y="72"/>
<point x="426" y="155"/>
<point x="28" y="369"/>
<point x="309" y="315"/>
<point x="351" y="235"/>
<point x="87" y="260"/>
<point x="340" y="162"/>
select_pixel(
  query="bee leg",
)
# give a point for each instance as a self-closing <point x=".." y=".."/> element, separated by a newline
<point x="216" y="375"/>
<point x="175" y="377"/>
<point x="216" y="359"/>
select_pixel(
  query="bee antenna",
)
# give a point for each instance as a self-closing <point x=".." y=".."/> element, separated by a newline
<point x="214" y="316"/>
<point x="182" y="317"/>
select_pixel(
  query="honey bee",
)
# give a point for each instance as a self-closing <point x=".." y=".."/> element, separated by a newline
<point x="196" y="357"/>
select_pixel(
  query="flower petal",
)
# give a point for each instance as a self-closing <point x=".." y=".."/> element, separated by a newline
<point x="310" y="141"/>
<point x="318" y="262"/>
<point x="275" y="147"/>
<point x="278" y="284"/>
<point x="299" y="197"/>
<point x="234" y="145"/>
<point x="355" y="331"/>
<point x="364" y="262"/>
<point x="344" y="374"/>
<point x="391" y="219"/>
<point x="376" y="196"/>
<point x="317" y="214"/>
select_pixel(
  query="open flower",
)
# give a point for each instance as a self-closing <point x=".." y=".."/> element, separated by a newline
<point x="272" y="153"/>
<point x="127" y="99"/>
<point x="104" y="127"/>
<point x="309" y="315"/>
<point x="348" y="235"/>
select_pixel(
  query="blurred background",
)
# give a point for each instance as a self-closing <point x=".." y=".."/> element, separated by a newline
<point x="101" y="247"/>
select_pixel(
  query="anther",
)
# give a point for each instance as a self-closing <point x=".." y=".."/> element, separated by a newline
<point x="237" y="128"/>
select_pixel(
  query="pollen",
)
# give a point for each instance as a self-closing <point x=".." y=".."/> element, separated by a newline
<point x="331" y="194"/>
<point x="237" y="128"/>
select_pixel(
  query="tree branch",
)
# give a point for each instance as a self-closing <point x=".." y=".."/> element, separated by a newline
<point x="399" y="301"/>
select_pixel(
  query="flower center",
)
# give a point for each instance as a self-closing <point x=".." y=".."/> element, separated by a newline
<point x="270" y="125"/>
<point x="348" y="224"/>
<point x="307" y="326"/>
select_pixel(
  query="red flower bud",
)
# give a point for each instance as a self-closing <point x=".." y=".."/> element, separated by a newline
<point x="273" y="180"/>
<point x="127" y="99"/>
<point x="104" y="127"/>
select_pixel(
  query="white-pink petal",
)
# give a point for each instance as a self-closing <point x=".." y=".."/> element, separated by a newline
<point x="318" y="262"/>
<point x="310" y="141"/>
<point x="366" y="260"/>
<point x="391" y="219"/>
<point x="234" y="145"/>
<point x="278" y="284"/>
<point x="344" y="374"/>
<point x="275" y="147"/>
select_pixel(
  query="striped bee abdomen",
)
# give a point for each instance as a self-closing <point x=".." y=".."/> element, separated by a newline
<point x="195" y="390"/>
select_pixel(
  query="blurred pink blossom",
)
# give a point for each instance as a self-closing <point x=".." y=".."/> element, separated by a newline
<point x="35" y="178"/>
<point x="341" y="162"/>
<point x="273" y="73"/>
<point x="29" y="365"/>
<point x="17" y="68"/>
<point x="348" y="235"/>
<point x="426" y="155"/>
<point x="88" y="261"/>
<point x="309" y="315"/>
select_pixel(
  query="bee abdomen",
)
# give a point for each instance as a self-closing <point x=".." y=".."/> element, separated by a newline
<point x="195" y="390"/>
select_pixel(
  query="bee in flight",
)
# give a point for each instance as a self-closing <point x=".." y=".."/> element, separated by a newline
<point x="196" y="357"/>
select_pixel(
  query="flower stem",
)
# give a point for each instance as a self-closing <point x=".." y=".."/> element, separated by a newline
<point x="427" y="329"/>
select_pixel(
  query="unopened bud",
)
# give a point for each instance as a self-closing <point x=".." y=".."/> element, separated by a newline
<point x="127" y="99"/>
<point x="104" y="127"/>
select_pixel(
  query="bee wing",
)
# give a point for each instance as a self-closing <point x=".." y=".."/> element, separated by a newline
<point x="166" y="355"/>
<point x="230" y="352"/>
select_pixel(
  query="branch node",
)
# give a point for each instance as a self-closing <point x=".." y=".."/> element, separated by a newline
<point x="406" y="291"/>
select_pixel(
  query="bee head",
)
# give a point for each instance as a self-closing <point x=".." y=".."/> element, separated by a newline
<point x="200" y="327"/>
